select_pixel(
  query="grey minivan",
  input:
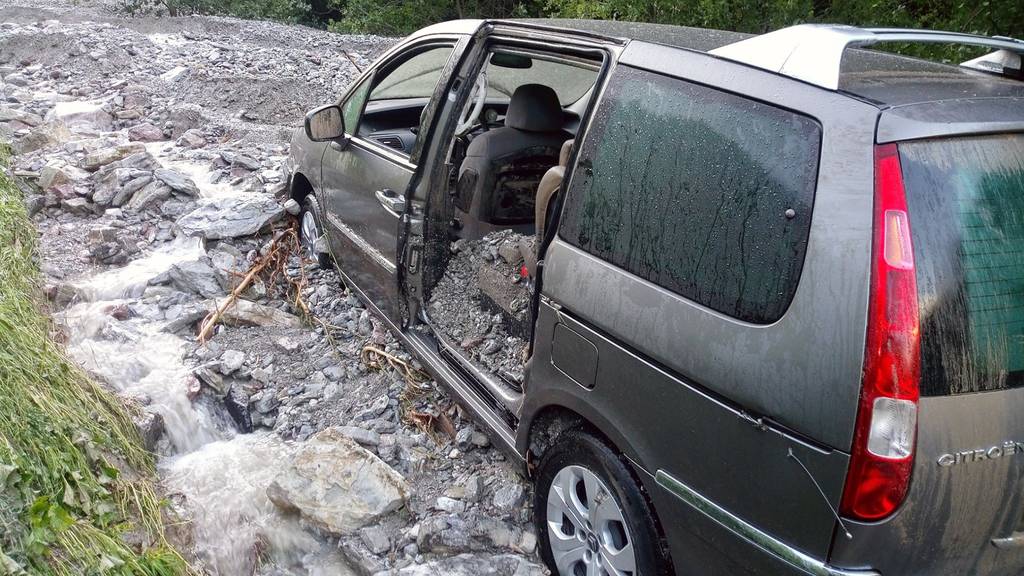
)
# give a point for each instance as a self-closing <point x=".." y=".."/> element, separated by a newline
<point x="765" y="293"/>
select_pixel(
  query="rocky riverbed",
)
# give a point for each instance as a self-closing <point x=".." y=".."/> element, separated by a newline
<point x="298" y="438"/>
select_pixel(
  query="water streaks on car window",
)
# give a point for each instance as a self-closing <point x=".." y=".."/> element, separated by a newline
<point x="699" y="191"/>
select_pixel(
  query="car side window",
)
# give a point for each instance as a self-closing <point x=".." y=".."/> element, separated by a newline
<point x="700" y="191"/>
<point x="353" y="107"/>
<point x="396" y="89"/>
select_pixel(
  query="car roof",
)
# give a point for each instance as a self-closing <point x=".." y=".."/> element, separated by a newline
<point x="881" y="78"/>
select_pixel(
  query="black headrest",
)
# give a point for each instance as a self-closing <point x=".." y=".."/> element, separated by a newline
<point x="535" y="108"/>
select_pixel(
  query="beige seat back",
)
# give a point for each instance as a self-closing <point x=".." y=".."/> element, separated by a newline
<point x="549" y="185"/>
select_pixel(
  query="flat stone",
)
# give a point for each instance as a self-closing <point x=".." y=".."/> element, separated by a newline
<point x="232" y="217"/>
<point x="248" y="313"/>
<point x="14" y="114"/>
<point x="95" y="160"/>
<point x="177" y="182"/>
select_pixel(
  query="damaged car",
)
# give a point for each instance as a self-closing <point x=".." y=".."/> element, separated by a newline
<point x="737" y="304"/>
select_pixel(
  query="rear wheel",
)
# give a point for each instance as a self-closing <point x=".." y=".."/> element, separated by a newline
<point x="311" y="232"/>
<point x="592" y="517"/>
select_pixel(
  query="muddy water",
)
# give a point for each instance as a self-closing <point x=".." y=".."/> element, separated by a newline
<point x="222" y="475"/>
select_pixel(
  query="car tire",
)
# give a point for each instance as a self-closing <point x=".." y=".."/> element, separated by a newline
<point x="310" y="229"/>
<point x="577" y="525"/>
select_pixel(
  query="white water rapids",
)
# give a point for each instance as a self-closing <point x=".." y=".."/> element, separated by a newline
<point x="222" y="475"/>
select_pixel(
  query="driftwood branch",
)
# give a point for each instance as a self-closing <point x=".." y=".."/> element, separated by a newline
<point x="270" y="260"/>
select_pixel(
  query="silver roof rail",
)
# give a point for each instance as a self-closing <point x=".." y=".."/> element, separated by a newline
<point x="813" y="52"/>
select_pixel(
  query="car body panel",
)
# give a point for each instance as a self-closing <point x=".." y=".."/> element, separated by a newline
<point x="766" y="369"/>
<point x="953" y="513"/>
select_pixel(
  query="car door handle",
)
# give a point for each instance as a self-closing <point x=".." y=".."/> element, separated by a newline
<point x="391" y="200"/>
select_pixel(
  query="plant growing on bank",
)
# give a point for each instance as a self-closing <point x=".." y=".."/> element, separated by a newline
<point x="76" y="484"/>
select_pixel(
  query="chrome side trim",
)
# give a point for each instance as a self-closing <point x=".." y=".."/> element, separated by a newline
<point x="455" y="382"/>
<point x="1010" y="542"/>
<point x="751" y="533"/>
<point x="363" y="245"/>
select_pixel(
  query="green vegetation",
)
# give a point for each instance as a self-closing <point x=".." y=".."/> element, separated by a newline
<point x="399" y="17"/>
<point x="75" y="483"/>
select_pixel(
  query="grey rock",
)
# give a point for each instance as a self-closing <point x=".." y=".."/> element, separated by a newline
<point x="81" y="115"/>
<point x="196" y="276"/>
<point x="218" y="218"/>
<point x="95" y="160"/>
<point x="376" y="539"/>
<point x="149" y="195"/>
<point x="150" y="425"/>
<point x="245" y="162"/>
<point x="16" y="115"/>
<point x="338" y="486"/>
<point x="145" y="132"/>
<point x="231" y="361"/>
<point x="192" y="138"/>
<point x="247" y="313"/>
<point x="79" y="206"/>
<point x="361" y="435"/>
<point x="450" y="505"/>
<point x="509" y="497"/>
<point x="177" y="182"/>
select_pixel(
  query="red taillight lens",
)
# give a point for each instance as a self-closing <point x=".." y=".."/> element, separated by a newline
<point x="884" y="440"/>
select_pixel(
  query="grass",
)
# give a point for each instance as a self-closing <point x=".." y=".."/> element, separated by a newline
<point x="76" y="485"/>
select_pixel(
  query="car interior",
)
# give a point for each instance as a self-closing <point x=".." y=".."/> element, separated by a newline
<point x="507" y="154"/>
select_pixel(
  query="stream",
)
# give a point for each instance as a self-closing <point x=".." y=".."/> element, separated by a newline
<point x="222" y="474"/>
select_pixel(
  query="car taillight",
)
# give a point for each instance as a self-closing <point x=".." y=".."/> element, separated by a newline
<point x="886" y="429"/>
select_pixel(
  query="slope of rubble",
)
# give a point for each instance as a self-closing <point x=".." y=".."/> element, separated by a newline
<point x="151" y="153"/>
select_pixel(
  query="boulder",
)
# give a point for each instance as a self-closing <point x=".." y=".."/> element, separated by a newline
<point x="229" y="265"/>
<point x="230" y="217"/>
<point x="249" y="313"/>
<point x="338" y="486"/>
<point x="145" y="132"/>
<point x="78" y="206"/>
<point x="192" y="138"/>
<point x="150" y="194"/>
<point x="150" y="425"/>
<point x="177" y="181"/>
<point x="196" y="276"/>
<point x="96" y="160"/>
<point x="82" y="116"/>
<point x="42" y="136"/>
<point x="16" y="115"/>
<point x="51" y="176"/>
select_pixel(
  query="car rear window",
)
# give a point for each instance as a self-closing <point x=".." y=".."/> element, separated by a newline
<point x="700" y="191"/>
<point x="966" y="202"/>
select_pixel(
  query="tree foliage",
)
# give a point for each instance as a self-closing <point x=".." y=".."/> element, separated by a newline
<point x="400" y="17"/>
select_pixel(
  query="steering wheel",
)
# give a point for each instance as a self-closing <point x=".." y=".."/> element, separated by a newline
<point x="471" y="113"/>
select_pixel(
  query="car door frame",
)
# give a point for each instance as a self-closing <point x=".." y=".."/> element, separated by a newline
<point x="369" y="265"/>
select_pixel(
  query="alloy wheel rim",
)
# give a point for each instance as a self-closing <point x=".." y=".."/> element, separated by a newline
<point x="310" y="234"/>
<point x="586" y="527"/>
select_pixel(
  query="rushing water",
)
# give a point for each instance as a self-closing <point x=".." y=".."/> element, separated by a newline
<point x="222" y="475"/>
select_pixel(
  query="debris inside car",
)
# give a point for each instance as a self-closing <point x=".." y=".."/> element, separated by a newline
<point x="482" y="303"/>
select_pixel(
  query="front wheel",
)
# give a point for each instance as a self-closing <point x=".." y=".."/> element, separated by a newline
<point x="312" y="231"/>
<point x="591" y="516"/>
